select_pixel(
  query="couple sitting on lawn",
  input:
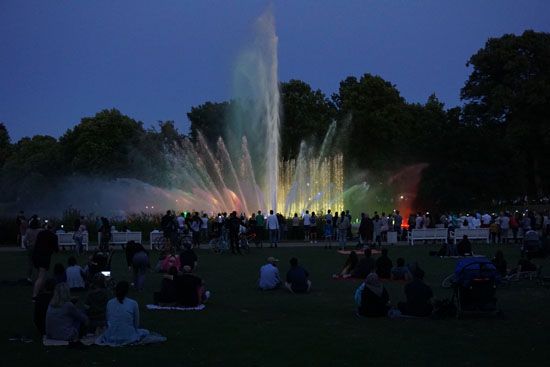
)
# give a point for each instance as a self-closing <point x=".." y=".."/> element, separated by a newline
<point x="383" y="267"/>
<point x="373" y="300"/>
<point x="296" y="278"/>
<point x="181" y="289"/>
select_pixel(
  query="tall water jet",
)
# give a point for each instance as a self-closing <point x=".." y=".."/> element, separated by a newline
<point x="258" y="113"/>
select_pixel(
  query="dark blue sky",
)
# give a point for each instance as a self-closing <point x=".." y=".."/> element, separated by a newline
<point x="153" y="60"/>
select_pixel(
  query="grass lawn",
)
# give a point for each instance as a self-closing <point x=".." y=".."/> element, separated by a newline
<point x="246" y="327"/>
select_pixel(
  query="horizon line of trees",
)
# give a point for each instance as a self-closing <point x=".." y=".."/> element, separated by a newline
<point x="495" y="147"/>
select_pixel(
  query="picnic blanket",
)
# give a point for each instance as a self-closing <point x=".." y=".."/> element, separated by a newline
<point x="359" y="252"/>
<point x="176" y="308"/>
<point x="87" y="340"/>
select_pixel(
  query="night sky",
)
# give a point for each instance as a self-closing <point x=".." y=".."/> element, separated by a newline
<point x="153" y="60"/>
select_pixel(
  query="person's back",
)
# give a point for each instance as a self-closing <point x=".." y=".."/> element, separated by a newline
<point x="75" y="278"/>
<point x="269" y="275"/>
<point x="384" y="266"/>
<point x="418" y="298"/>
<point x="297" y="277"/>
<point x="188" y="258"/>
<point x="46" y="244"/>
<point x="188" y="288"/>
<point x="464" y="247"/>
<point x="122" y="321"/>
<point x="365" y="266"/>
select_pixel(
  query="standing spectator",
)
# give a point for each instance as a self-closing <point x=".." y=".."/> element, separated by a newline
<point x="269" y="275"/>
<point x="514" y="225"/>
<point x="397" y="222"/>
<point x="504" y="224"/>
<point x="105" y="231"/>
<point x="494" y="231"/>
<point x="343" y="224"/>
<point x="377" y="230"/>
<point x="78" y="238"/>
<point x="260" y="224"/>
<point x="295" y="226"/>
<point x="22" y="224"/>
<point x="196" y="230"/>
<point x="362" y="230"/>
<point x="234" y="225"/>
<point x="485" y="220"/>
<point x="272" y="224"/>
<point x="138" y="259"/>
<point x="46" y="244"/>
<point x="306" y="218"/>
<point x="30" y="241"/>
<point x="384" y="227"/>
<point x="313" y="229"/>
<point x="297" y="278"/>
<point x="204" y="228"/>
<point x="328" y="230"/>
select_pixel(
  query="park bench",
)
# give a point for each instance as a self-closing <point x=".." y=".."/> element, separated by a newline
<point x="122" y="238"/>
<point x="472" y="233"/>
<point x="427" y="234"/>
<point x="66" y="239"/>
<point x="154" y="237"/>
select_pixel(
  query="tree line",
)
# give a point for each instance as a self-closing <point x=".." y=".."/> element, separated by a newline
<point x="495" y="147"/>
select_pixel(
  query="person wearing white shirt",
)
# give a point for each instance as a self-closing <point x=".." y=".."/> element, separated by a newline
<point x="272" y="224"/>
<point x="74" y="273"/>
<point x="269" y="275"/>
<point x="307" y="225"/>
<point x="486" y="220"/>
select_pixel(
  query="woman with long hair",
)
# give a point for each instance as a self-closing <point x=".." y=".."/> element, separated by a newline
<point x="63" y="320"/>
<point x="123" y="321"/>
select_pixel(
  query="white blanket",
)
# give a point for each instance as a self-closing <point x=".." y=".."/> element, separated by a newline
<point x="176" y="308"/>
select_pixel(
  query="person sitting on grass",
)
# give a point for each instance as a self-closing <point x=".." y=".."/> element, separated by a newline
<point x="96" y="304"/>
<point x="190" y="289"/>
<point x="464" y="247"/>
<point x="171" y="260"/>
<point x="418" y="295"/>
<point x="371" y="297"/>
<point x="500" y="263"/>
<point x="384" y="265"/>
<point x="297" y="278"/>
<point x="188" y="258"/>
<point x="63" y="320"/>
<point x="97" y="262"/>
<point x="349" y="266"/>
<point x="59" y="273"/>
<point x="269" y="275"/>
<point x="168" y="294"/>
<point x="42" y="301"/>
<point x="123" y="321"/>
<point x="365" y="266"/>
<point x="400" y="271"/>
<point x="45" y="245"/>
<point x="524" y="265"/>
<point x="74" y="275"/>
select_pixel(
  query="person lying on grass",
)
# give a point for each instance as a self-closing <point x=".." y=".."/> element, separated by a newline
<point x="371" y="297"/>
<point x="297" y="278"/>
